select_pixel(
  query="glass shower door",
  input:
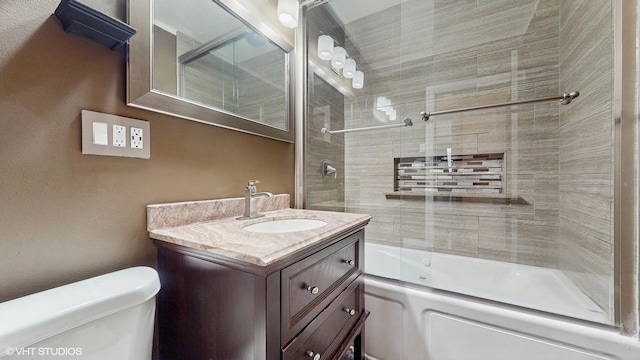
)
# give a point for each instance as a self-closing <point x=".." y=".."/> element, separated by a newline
<point x="509" y="203"/>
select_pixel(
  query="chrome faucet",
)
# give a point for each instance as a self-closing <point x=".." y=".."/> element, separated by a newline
<point x="251" y="200"/>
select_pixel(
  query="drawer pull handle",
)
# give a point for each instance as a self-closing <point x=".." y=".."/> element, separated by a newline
<point x="314" y="356"/>
<point x="350" y="311"/>
<point x="350" y="262"/>
<point x="313" y="289"/>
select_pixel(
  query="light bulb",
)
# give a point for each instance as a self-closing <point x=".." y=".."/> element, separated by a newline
<point x="325" y="47"/>
<point x="358" y="80"/>
<point x="288" y="13"/>
<point x="349" y="68"/>
<point x="338" y="58"/>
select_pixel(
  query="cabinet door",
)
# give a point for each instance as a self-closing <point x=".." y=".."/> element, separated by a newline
<point x="309" y="285"/>
<point x="209" y="311"/>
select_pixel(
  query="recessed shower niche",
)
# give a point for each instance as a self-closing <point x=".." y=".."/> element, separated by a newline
<point x="465" y="177"/>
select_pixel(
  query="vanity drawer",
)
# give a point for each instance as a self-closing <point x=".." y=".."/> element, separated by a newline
<point x="309" y="285"/>
<point x="331" y="329"/>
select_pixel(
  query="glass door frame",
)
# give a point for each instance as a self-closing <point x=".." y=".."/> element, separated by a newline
<point x="626" y="154"/>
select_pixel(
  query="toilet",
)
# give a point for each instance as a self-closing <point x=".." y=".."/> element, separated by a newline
<point x="102" y="318"/>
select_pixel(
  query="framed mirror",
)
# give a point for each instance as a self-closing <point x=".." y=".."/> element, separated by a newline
<point x="211" y="61"/>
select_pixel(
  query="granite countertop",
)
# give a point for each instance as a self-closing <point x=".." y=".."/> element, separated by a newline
<point x="214" y="228"/>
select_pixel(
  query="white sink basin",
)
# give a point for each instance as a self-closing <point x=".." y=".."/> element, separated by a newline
<point x="284" y="226"/>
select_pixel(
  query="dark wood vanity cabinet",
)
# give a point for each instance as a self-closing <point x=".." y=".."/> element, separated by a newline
<point x="309" y="305"/>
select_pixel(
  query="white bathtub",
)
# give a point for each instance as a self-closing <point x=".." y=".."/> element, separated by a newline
<point x="417" y="322"/>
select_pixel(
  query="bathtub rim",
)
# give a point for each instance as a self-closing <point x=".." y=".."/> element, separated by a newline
<point x="489" y="302"/>
<point x="582" y="334"/>
<point x="373" y="247"/>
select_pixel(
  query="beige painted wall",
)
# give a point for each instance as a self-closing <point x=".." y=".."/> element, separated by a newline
<point x="65" y="216"/>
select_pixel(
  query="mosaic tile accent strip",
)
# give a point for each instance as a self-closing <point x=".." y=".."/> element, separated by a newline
<point x="470" y="174"/>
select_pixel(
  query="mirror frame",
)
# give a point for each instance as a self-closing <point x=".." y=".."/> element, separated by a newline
<point x="141" y="94"/>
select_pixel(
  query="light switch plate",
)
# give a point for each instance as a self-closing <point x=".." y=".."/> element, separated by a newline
<point x="100" y="133"/>
<point x="113" y="124"/>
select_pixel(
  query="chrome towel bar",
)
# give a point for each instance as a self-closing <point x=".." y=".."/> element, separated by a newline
<point x="407" y="122"/>
<point x="565" y="99"/>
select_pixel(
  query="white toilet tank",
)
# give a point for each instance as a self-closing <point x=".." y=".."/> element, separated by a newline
<point x="109" y="317"/>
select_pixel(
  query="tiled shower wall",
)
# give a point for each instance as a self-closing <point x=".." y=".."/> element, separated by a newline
<point x="439" y="55"/>
<point x="443" y="55"/>
<point x="325" y="108"/>
<point x="586" y="149"/>
<point x="257" y="81"/>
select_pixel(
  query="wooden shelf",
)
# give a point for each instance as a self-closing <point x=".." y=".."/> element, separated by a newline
<point x="461" y="197"/>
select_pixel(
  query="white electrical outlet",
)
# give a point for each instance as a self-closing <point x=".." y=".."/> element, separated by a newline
<point x="119" y="136"/>
<point x="136" y="138"/>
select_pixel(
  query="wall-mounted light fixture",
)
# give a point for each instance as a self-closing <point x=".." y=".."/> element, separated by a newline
<point x="288" y="16"/>
<point x="339" y="57"/>
<point x="340" y="60"/>
<point x="358" y="80"/>
<point x="288" y="13"/>
<point x="349" y="69"/>
<point x="325" y="47"/>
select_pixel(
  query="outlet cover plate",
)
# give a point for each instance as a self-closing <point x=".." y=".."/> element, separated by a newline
<point x="119" y="136"/>
<point x="89" y="117"/>
<point x="137" y="140"/>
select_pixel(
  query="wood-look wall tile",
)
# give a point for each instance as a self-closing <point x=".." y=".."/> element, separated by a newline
<point x="588" y="266"/>
<point x="474" y="24"/>
<point x="437" y="146"/>
<point x="583" y="23"/>
<point x="463" y="63"/>
<point x="529" y="242"/>
<point x="586" y="150"/>
<point x="454" y="74"/>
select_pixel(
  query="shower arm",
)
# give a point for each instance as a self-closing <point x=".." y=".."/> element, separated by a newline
<point x="407" y="122"/>
<point x="565" y="99"/>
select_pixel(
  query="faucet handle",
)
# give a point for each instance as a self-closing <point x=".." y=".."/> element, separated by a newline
<point x="251" y="186"/>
